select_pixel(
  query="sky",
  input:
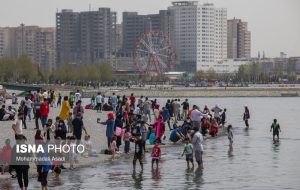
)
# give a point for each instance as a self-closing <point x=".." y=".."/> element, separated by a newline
<point x="274" y="24"/>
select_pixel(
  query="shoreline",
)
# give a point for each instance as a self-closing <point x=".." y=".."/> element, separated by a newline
<point x="199" y="92"/>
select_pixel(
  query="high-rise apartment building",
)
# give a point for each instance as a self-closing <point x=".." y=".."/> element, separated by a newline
<point x="36" y="42"/>
<point x="134" y="25"/>
<point x="5" y="42"/>
<point x="46" y="48"/>
<point x="198" y="33"/>
<point x="86" y="37"/>
<point x="67" y="37"/>
<point x="238" y="39"/>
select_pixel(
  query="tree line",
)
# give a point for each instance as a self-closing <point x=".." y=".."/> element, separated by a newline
<point x="23" y="70"/>
<point x="250" y="73"/>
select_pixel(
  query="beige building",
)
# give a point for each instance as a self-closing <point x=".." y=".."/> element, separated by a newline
<point x="36" y="42"/>
<point x="7" y="42"/>
<point x="238" y="39"/>
<point x="119" y="37"/>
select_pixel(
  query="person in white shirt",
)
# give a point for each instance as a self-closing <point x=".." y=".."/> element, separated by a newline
<point x="77" y="96"/>
<point x="18" y="125"/>
<point x="196" y="116"/>
<point x="28" y="104"/>
<point x="198" y="146"/>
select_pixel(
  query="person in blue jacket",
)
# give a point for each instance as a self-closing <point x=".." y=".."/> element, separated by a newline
<point x="110" y="128"/>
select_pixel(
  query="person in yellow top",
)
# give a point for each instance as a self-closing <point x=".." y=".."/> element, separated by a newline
<point x="65" y="109"/>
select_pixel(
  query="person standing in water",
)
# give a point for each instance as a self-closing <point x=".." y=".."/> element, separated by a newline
<point x="197" y="142"/>
<point x="230" y="136"/>
<point x="138" y="152"/>
<point x="246" y="116"/>
<point x="188" y="151"/>
<point x="276" y="128"/>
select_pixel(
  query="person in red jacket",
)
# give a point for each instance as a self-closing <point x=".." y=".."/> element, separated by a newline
<point x="132" y="101"/>
<point x="44" y="111"/>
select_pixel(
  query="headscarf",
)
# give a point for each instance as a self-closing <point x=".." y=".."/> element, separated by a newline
<point x="111" y="116"/>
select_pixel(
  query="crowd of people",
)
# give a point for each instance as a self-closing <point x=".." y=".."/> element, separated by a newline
<point x="132" y="121"/>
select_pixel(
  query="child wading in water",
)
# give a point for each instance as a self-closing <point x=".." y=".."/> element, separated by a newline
<point x="156" y="154"/>
<point x="230" y="135"/>
<point x="188" y="151"/>
<point x="113" y="147"/>
<point x="126" y="138"/>
<point x="276" y="128"/>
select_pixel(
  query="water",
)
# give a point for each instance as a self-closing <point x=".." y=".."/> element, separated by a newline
<point x="254" y="163"/>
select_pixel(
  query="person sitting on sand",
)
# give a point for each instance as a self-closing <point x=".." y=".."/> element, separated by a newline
<point x="88" y="148"/>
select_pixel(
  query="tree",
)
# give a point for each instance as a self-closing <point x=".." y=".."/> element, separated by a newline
<point x="198" y="76"/>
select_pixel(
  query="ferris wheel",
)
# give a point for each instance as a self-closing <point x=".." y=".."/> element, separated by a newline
<point x="153" y="53"/>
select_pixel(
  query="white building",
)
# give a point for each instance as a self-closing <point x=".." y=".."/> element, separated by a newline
<point x="198" y="33"/>
<point x="229" y="65"/>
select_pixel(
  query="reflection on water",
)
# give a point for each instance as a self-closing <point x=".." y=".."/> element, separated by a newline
<point x="253" y="163"/>
<point x="138" y="179"/>
<point x="230" y="152"/>
<point x="156" y="176"/>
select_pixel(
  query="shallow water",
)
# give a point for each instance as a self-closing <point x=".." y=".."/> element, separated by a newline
<point x="254" y="163"/>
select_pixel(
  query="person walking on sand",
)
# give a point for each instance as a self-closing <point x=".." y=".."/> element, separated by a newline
<point x="246" y="117"/>
<point x="77" y="96"/>
<point x="65" y="109"/>
<point x="78" y="109"/>
<point x="44" y="111"/>
<point x="197" y="142"/>
<point x="276" y="128"/>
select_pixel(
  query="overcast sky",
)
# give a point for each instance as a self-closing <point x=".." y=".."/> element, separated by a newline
<point x="274" y="24"/>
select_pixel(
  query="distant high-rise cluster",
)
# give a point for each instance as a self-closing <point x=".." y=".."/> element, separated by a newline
<point x="85" y="37"/>
<point x="239" y="39"/>
<point x="36" y="42"/>
<point x="200" y="34"/>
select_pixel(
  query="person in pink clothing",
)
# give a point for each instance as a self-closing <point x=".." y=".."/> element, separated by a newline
<point x="159" y="128"/>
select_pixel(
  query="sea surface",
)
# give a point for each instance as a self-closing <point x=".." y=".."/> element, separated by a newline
<point x="254" y="163"/>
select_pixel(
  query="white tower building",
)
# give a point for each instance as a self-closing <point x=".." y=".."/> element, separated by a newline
<point x="199" y="34"/>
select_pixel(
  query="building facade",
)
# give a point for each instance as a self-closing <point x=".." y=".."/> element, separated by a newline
<point x="5" y="42"/>
<point x="36" y="42"/>
<point x="238" y="39"/>
<point x="86" y="37"/>
<point x="134" y="25"/>
<point x="67" y="37"/>
<point x="198" y="33"/>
